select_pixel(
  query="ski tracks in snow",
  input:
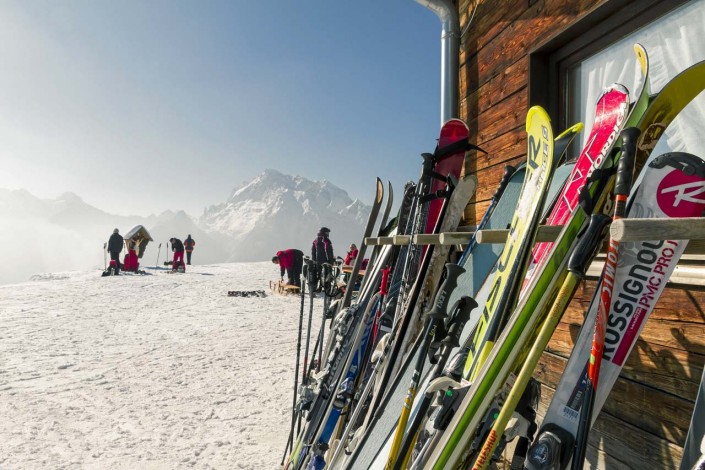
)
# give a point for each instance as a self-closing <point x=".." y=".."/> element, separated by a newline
<point x="157" y="371"/>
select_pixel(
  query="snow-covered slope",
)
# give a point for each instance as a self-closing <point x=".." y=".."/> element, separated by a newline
<point x="159" y="371"/>
<point x="272" y="212"/>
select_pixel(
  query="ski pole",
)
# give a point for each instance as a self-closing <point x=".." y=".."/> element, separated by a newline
<point x="156" y="266"/>
<point x="461" y="314"/>
<point x="296" y="376"/>
<point x="311" y="294"/>
<point x="435" y="317"/>
<point x="105" y="256"/>
<point x="584" y="251"/>
<point x="625" y="175"/>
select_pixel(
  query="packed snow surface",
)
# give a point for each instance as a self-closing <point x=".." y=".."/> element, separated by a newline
<point x="157" y="371"/>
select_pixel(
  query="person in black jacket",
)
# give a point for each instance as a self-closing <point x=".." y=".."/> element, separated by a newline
<point x="322" y="248"/>
<point x="115" y="244"/>
<point x="321" y="252"/>
<point x="189" y="244"/>
<point x="178" y="248"/>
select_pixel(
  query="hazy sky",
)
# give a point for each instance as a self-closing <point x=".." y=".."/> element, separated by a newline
<point x="143" y="106"/>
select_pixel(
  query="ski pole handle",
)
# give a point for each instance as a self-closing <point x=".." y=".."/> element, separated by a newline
<point x="462" y="309"/>
<point x="588" y="244"/>
<point x="625" y="169"/>
<point x="508" y="172"/>
<point x="440" y="307"/>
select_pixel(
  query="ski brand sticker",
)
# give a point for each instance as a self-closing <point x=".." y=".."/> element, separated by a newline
<point x="678" y="194"/>
<point x="639" y="291"/>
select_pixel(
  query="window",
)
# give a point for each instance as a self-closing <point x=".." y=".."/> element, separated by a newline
<point x="568" y="73"/>
<point x="674" y="42"/>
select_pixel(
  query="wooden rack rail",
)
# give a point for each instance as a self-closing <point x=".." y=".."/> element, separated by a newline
<point x="691" y="269"/>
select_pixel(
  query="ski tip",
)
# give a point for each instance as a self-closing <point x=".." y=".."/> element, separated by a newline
<point x="642" y="57"/>
<point x="609" y="90"/>
<point x="536" y="112"/>
<point x="574" y="129"/>
<point x="455" y="123"/>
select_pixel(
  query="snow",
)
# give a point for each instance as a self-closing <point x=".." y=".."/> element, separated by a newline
<point x="155" y="371"/>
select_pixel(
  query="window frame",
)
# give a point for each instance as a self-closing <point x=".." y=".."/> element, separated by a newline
<point x="550" y="62"/>
<point x="549" y="66"/>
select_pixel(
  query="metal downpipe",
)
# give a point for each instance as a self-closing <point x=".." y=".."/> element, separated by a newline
<point x="450" y="50"/>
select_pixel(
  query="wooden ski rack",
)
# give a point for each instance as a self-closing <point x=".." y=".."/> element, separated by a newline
<point x="692" y="228"/>
<point x="689" y="271"/>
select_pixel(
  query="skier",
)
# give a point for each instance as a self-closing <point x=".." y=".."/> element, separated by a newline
<point x="115" y="244"/>
<point x="189" y="244"/>
<point x="321" y="252"/>
<point x="351" y="255"/>
<point x="290" y="261"/>
<point x="178" y="248"/>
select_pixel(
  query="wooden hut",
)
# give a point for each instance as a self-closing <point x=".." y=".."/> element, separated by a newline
<point x="519" y="53"/>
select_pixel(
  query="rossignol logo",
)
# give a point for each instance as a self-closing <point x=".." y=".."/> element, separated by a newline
<point x="636" y="295"/>
<point x="680" y="195"/>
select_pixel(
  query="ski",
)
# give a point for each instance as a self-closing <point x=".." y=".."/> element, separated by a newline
<point x="360" y="333"/>
<point x="460" y="198"/>
<point x="446" y="161"/>
<point x="656" y="197"/>
<point x="452" y="446"/>
<point x="564" y="410"/>
<point x="477" y="262"/>
<point x="511" y="265"/>
<point x="625" y="173"/>
<point x="582" y="255"/>
<point x="610" y="114"/>
<point x="435" y="330"/>
<point x="447" y="157"/>
<point x="694" y="448"/>
<point x="453" y="133"/>
<point x="313" y="395"/>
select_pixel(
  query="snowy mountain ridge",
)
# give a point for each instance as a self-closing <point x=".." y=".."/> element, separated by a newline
<point x="276" y="211"/>
<point x="273" y="211"/>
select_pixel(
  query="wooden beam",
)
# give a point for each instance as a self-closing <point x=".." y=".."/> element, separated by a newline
<point x="686" y="228"/>
<point x="546" y="233"/>
<point x="456" y="238"/>
<point x="402" y="240"/>
<point x="426" y="239"/>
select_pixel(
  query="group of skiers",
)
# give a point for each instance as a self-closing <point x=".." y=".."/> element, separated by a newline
<point x="291" y="261"/>
<point x="116" y="243"/>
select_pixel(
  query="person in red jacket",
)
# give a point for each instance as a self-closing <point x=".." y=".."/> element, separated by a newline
<point x="352" y="254"/>
<point x="290" y="261"/>
<point x="178" y="248"/>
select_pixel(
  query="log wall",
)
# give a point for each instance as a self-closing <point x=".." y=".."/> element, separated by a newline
<point x="646" y="418"/>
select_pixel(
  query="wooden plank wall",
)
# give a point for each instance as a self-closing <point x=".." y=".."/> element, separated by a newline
<point x="647" y="416"/>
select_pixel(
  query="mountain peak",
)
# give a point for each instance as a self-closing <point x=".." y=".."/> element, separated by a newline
<point x="275" y="210"/>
